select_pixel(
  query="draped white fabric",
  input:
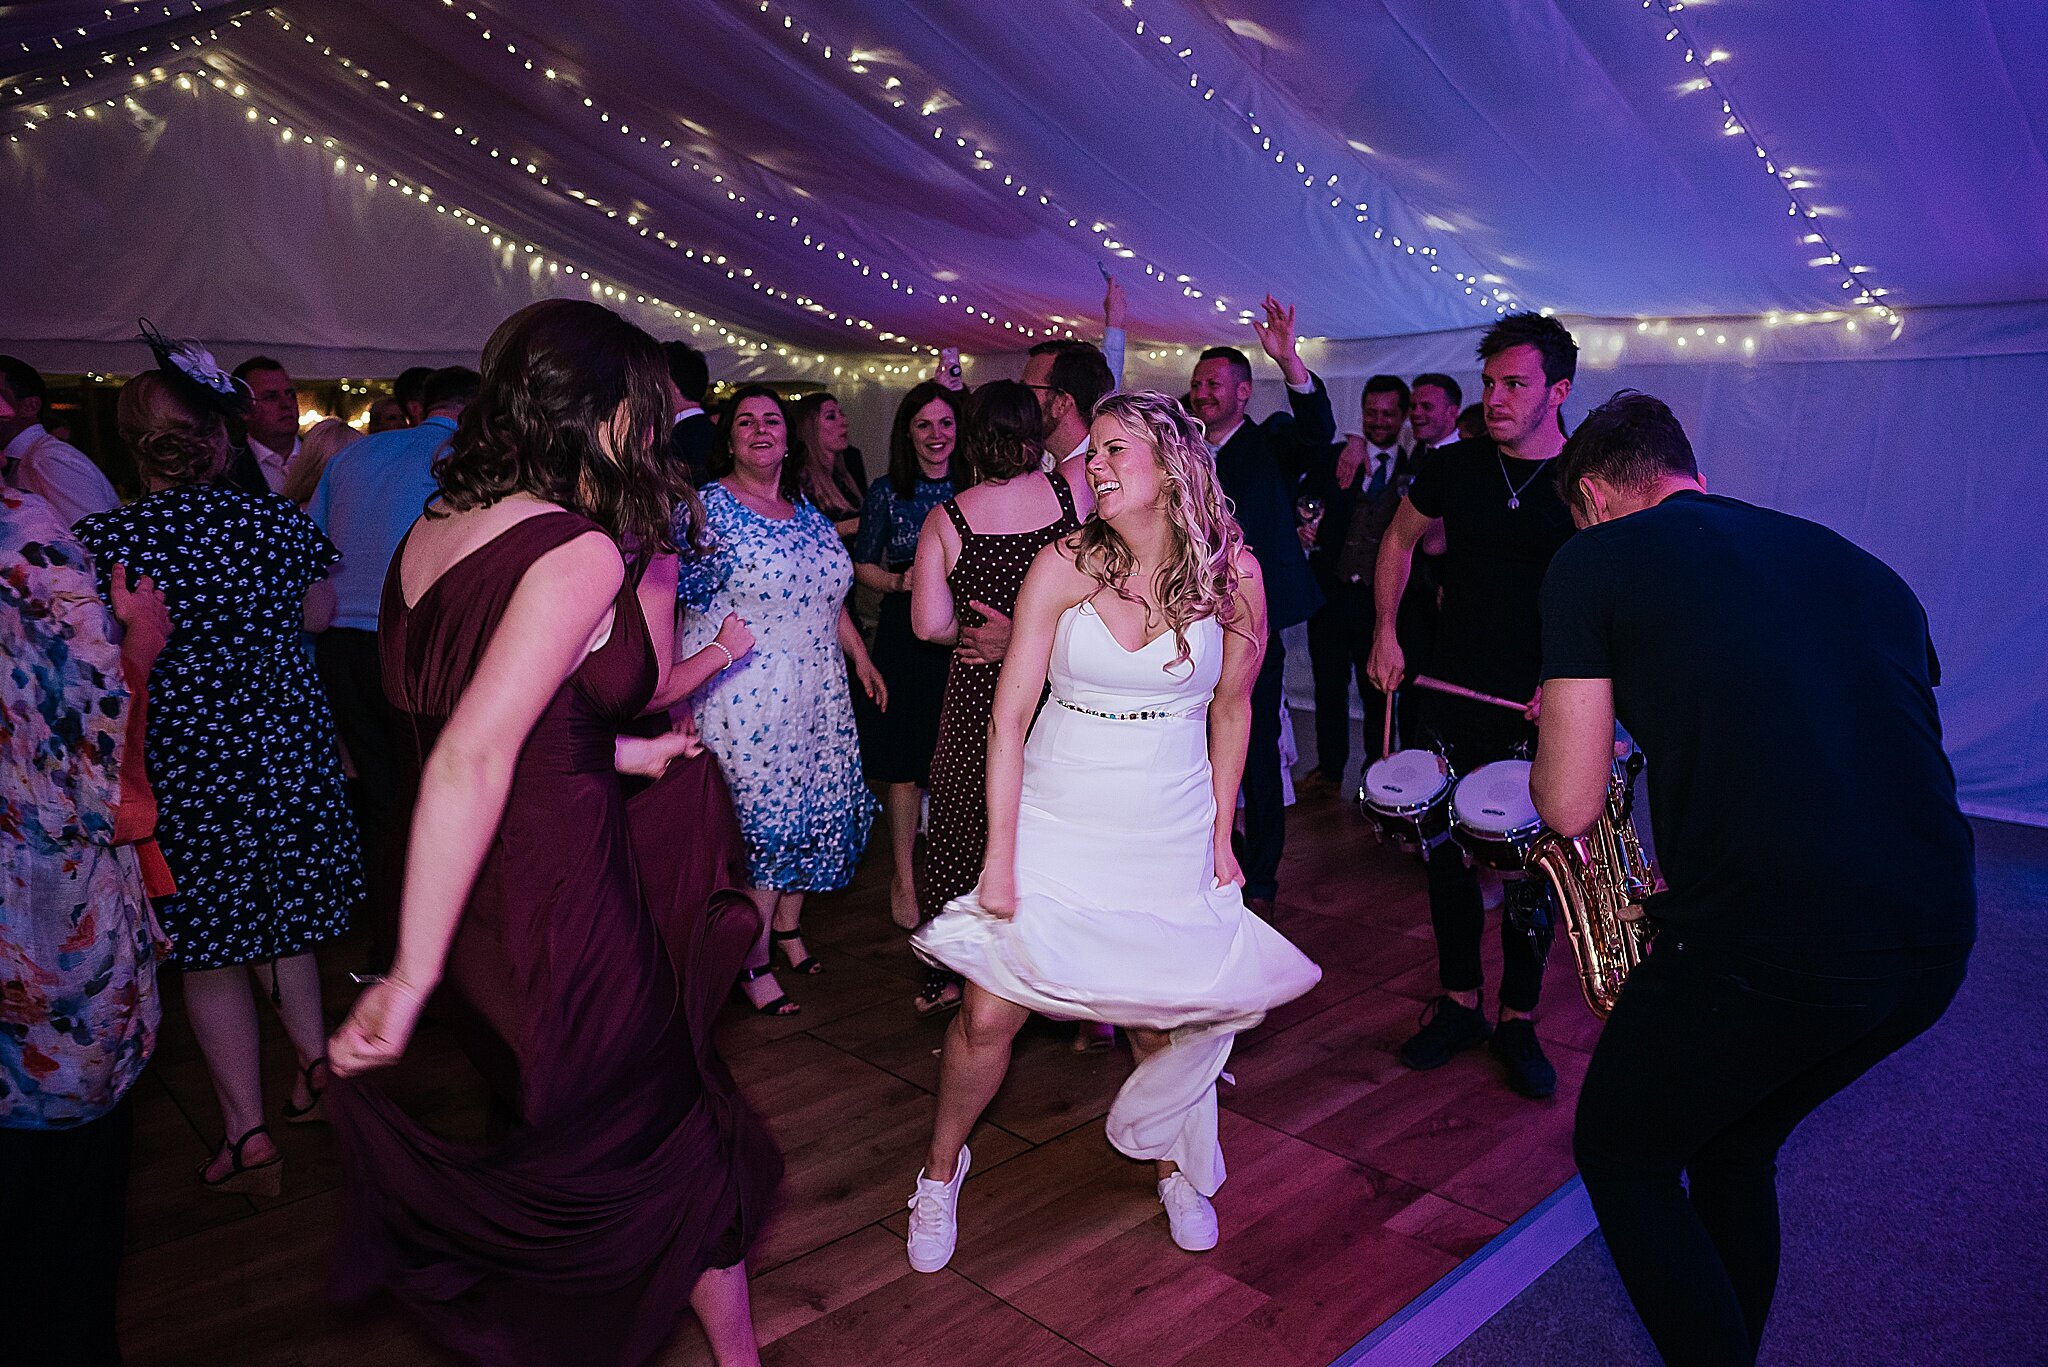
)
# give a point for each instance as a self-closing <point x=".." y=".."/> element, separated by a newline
<point x="819" y="177"/>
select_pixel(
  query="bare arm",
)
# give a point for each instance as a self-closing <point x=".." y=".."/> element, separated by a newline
<point x="863" y="666"/>
<point x="1230" y="711"/>
<point x="318" y="614"/>
<point x="876" y="578"/>
<point x="554" y="618"/>
<point x="1389" y="581"/>
<point x="932" y="613"/>
<point x="1574" y="753"/>
<point x="1051" y="586"/>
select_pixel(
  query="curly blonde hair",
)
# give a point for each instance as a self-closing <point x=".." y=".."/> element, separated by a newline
<point x="1200" y="576"/>
<point x="173" y="439"/>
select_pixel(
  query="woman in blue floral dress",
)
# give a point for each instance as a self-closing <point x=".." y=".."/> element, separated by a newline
<point x="781" y="720"/>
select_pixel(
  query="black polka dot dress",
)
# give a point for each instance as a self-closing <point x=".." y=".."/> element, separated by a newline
<point x="990" y="570"/>
<point x="250" y="809"/>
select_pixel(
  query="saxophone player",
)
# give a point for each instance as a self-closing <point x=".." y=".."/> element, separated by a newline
<point x="1771" y="671"/>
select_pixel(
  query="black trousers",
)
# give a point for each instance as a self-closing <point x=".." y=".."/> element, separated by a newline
<point x="67" y="1212"/>
<point x="1713" y="1056"/>
<point x="1265" y="803"/>
<point x="374" y="732"/>
<point x="1472" y="735"/>
<point x="1339" y="648"/>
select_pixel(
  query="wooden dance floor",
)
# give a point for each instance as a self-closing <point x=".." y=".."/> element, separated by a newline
<point x="1354" y="1184"/>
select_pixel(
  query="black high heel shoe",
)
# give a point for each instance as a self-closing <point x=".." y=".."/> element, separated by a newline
<point x="781" y="1006"/>
<point x="808" y="965"/>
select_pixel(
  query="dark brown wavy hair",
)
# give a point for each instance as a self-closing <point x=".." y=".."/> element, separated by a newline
<point x="1002" y="431"/>
<point x="719" y="463"/>
<point x="904" y="467"/>
<point x="556" y="375"/>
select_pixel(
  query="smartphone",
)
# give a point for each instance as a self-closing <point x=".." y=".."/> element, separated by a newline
<point x="949" y="361"/>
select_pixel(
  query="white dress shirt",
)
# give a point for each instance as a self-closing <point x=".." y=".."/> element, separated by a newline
<point x="1048" y="464"/>
<point x="276" y="466"/>
<point x="57" y="472"/>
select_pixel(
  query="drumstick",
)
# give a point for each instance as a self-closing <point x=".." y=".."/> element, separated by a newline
<point x="1460" y="691"/>
<point x="1387" y="729"/>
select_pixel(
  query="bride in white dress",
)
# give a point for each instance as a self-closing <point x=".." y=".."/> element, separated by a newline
<point x="1108" y="890"/>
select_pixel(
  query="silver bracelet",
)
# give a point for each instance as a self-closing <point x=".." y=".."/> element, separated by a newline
<point x="719" y="646"/>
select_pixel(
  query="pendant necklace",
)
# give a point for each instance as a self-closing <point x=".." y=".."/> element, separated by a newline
<point x="1514" y="493"/>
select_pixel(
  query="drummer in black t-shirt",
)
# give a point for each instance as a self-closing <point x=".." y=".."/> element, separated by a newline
<point x="1775" y="676"/>
<point x="1502" y="520"/>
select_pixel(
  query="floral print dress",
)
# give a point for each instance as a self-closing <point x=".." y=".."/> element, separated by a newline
<point x="781" y="720"/>
<point x="78" y="999"/>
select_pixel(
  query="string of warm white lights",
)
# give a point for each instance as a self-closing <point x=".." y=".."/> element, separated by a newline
<point x="508" y="246"/>
<point x="1788" y="180"/>
<point x="113" y="62"/>
<point x="633" y="221"/>
<point x="491" y="31"/>
<point x="133" y="10"/>
<point x="841" y="58"/>
<point x="1485" y="291"/>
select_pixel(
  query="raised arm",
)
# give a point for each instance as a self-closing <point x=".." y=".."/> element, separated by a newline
<point x="1051" y="586"/>
<point x="932" y="613"/>
<point x="1389" y="581"/>
<point x="1230" y="711"/>
<point x="554" y="618"/>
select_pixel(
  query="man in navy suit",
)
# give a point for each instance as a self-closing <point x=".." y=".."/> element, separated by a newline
<point x="1259" y="465"/>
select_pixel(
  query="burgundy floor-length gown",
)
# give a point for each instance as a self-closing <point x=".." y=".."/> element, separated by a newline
<point x="583" y="980"/>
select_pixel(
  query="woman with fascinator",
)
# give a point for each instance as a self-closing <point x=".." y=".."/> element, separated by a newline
<point x="252" y="817"/>
<point x="1108" y="890"/>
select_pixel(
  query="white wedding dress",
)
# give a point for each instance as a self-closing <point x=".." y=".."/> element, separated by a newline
<point x="1119" y="917"/>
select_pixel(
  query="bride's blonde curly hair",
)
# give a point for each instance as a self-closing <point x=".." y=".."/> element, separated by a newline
<point x="1199" y="578"/>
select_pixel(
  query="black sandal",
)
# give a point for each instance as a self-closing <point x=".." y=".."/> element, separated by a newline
<point x="310" y="1113"/>
<point x="251" y="1179"/>
<point x="781" y="1006"/>
<point x="809" y="964"/>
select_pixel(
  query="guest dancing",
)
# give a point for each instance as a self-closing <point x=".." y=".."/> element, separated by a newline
<point x="1109" y="890"/>
<point x="1792" y="954"/>
<point x="1502" y="519"/>
<point x="518" y="639"/>
<point x="835" y="476"/>
<point x="252" y="816"/>
<point x="971" y="560"/>
<point x="925" y="469"/>
<point x="781" y="722"/>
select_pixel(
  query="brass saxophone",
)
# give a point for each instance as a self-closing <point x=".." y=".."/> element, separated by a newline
<point x="1601" y="879"/>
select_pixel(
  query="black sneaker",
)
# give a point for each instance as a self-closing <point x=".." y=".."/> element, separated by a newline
<point x="1529" y="1073"/>
<point x="1448" y="1030"/>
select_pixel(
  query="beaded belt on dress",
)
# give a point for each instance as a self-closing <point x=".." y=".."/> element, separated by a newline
<point x="1188" y="713"/>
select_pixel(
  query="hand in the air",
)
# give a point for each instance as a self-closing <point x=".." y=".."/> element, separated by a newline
<point x="1114" y="307"/>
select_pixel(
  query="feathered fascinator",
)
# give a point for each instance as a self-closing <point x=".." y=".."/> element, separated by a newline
<point x="194" y="370"/>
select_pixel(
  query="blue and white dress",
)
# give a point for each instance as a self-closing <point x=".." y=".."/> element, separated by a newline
<point x="781" y="721"/>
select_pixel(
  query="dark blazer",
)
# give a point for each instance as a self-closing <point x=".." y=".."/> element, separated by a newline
<point x="1320" y="481"/>
<point x="243" y="472"/>
<point x="689" y="442"/>
<point x="1259" y="468"/>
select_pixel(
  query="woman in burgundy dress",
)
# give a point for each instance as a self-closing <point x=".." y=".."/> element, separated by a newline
<point x="580" y="965"/>
<point x="972" y="554"/>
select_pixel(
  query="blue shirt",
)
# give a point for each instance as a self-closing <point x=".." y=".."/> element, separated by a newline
<point x="889" y="522"/>
<point x="368" y="498"/>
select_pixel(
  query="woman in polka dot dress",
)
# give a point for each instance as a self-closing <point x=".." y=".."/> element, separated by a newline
<point x="971" y="556"/>
<point x="251" y="813"/>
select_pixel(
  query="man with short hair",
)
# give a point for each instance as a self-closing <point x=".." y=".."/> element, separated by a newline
<point x="32" y="459"/>
<point x="1503" y="519"/>
<point x="1358" y="484"/>
<point x="1793" y="952"/>
<point x="407" y="390"/>
<point x="1433" y="405"/>
<point x="367" y="499"/>
<point x="272" y="426"/>
<point x="691" y="435"/>
<point x="1258" y="465"/>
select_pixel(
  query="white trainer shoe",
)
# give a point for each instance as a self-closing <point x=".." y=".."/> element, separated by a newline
<point x="935" y="1218"/>
<point x="1189" y="1214"/>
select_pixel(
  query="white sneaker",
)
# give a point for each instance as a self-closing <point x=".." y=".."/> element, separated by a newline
<point x="935" y="1218"/>
<point x="1189" y="1214"/>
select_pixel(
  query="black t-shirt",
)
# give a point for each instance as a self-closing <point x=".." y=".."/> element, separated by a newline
<point x="1780" y="681"/>
<point x="1490" y="635"/>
